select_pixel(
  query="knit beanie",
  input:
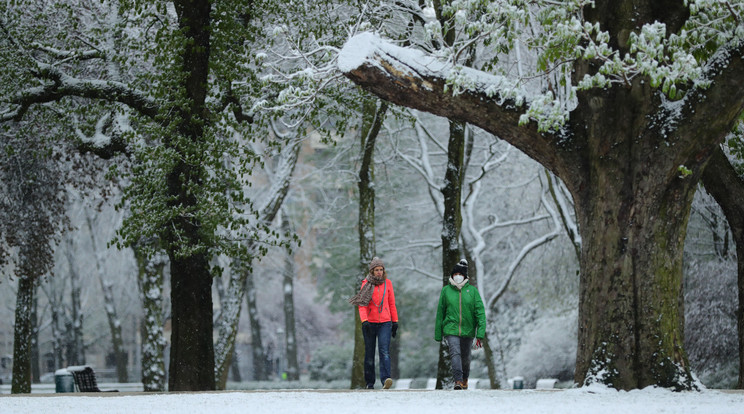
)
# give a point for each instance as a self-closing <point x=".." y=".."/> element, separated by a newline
<point x="376" y="262"/>
<point x="461" y="268"/>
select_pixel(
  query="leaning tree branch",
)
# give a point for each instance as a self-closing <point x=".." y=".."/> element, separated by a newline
<point x="413" y="79"/>
<point x="59" y="85"/>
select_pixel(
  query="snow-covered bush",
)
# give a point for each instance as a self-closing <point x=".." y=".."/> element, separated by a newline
<point x="331" y="362"/>
<point x="548" y="349"/>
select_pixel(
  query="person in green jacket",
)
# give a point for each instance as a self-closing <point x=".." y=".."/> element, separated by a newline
<point x="461" y="317"/>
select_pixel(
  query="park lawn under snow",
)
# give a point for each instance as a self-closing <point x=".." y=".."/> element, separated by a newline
<point x="587" y="400"/>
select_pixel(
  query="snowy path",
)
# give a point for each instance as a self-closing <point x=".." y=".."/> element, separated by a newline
<point x="574" y="401"/>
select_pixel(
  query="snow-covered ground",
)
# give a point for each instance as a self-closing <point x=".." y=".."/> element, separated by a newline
<point x="588" y="400"/>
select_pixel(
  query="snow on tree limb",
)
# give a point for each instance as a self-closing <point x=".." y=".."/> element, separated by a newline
<point x="411" y="78"/>
<point x="63" y="85"/>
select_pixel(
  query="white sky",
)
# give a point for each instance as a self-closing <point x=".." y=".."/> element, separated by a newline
<point x="587" y="400"/>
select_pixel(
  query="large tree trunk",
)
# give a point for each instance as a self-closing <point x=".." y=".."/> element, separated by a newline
<point x="372" y="118"/>
<point x="725" y="185"/>
<point x="451" y="227"/>
<point x="620" y="158"/>
<point x="192" y="349"/>
<point x="150" y="282"/>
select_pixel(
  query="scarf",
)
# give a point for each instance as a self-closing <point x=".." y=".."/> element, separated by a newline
<point x="458" y="285"/>
<point x="364" y="296"/>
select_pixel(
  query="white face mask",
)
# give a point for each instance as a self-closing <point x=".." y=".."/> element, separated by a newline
<point x="458" y="278"/>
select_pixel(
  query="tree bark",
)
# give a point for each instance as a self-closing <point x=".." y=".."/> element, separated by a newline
<point x="22" y="331"/>
<point x="620" y="160"/>
<point x="725" y="185"/>
<point x="373" y="115"/>
<point x="236" y="286"/>
<point x="451" y="227"/>
<point x="150" y="282"/>
<point x="74" y="328"/>
<point x="191" y="365"/>
<point x="117" y="342"/>
<point x="259" y="354"/>
<point x="293" y="368"/>
<point x="35" y="368"/>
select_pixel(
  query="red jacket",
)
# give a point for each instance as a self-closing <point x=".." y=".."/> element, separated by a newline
<point x="372" y="313"/>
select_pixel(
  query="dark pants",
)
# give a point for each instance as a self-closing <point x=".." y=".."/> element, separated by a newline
<point x="380" y="332"/>
<point x="459" y="350"/>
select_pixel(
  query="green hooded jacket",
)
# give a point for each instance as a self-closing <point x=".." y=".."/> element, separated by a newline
<point x="460" y="313"/>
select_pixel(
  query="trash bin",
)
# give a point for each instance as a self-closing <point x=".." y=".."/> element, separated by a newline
<point x="518" y="383"/>
<point x="63" y="381"/>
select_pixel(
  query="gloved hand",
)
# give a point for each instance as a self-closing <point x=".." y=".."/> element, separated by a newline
<point x="478" y="343"/>
<point x="365" y="327"/>
<point x="395" y="328"/>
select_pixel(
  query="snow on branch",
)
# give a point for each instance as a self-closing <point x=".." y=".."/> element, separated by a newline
<point x="60" y="85"/>
<point x="412" y="78"/>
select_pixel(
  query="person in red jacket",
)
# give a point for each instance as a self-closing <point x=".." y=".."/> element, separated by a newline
<point x="376" y="302"/>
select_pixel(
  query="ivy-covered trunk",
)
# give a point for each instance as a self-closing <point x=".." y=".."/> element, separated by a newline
<point x="451" y="227"/>
<point x="186" y="238"/>
<point x="373" y="114"/>
<point x="725" y="185"/>
<point x="153" y="341"/>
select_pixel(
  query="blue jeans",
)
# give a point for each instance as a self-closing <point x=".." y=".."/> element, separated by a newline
<point x="381" y="332"/>
<point x="459" y="350"/>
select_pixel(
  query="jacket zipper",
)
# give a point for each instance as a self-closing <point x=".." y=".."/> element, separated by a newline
<point x="459" y="328"/>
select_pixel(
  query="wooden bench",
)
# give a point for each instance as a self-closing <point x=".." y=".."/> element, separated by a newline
<point x="85" y="379"/>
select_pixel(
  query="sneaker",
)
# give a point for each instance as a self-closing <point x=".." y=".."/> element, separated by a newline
<point x="459" y="385"/>
<point x="370" y="387"/>
<point x="388" y="384"/>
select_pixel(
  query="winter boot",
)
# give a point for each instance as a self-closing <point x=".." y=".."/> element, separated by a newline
<point x="388" y="384"/>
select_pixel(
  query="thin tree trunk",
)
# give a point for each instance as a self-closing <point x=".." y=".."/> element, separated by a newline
<point x="293" y="368"/>
<point x="35" y="368"/>
<point x="150" y="282"/>
<point x="493" y="378"/>
<point x="76" y="344"/>
<point x="235" y="367"/>
<point x="725" y="185"/>
<point x="451" y="227"/>
<point x="373" y="114"/>
<point x="259" y="354"/>
<point x="57" y="336"/>
<point x="236" y="287"/>
<point x="117" y="342"/>
<point x="22" y="333"/>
